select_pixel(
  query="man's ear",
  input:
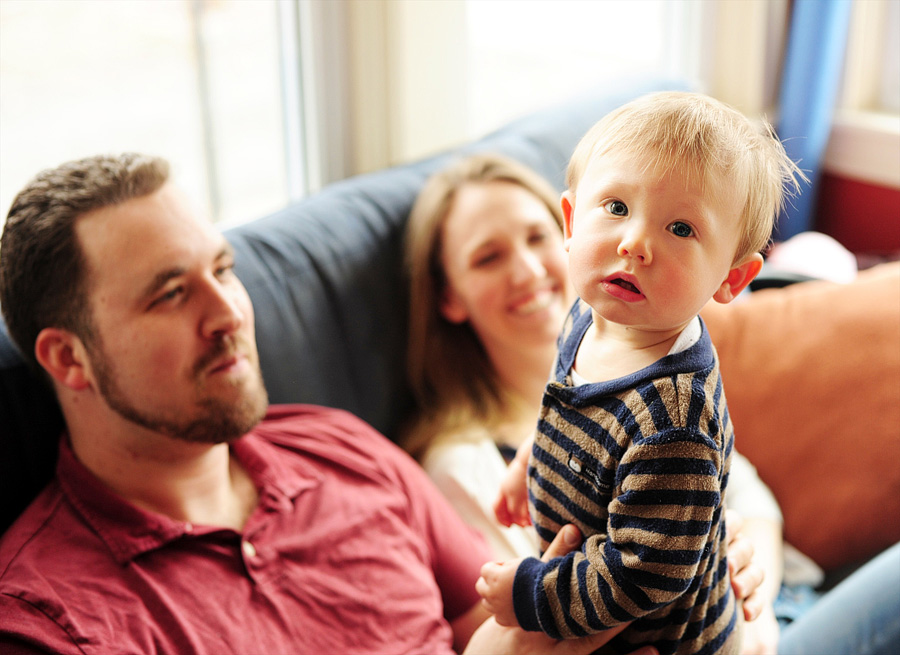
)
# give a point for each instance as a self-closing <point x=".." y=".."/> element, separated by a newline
<point x="567" y="204"/>
<point x="63" y="356"/>
<point x="738" y="279"/>
<point x="452" y="306"/>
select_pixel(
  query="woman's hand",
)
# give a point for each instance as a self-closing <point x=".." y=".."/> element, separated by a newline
<point x="754" y="551"/>
<point x="746" y="575"/>
<point x="761" y="635"/>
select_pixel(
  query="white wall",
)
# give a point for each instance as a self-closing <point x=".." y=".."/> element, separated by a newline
<point x="427" y="75"/>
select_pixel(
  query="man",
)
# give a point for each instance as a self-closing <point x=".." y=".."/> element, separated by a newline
<point x="185" y="516"/>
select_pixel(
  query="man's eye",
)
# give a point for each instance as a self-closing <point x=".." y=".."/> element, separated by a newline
<point x="168" y="296"/>
<point x="222" y="271"/>
<point x="617" y="208"/>
<point x="680" y="229"/>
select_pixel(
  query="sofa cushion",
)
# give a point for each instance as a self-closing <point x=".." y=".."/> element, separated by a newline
<point x="812" y="377"/>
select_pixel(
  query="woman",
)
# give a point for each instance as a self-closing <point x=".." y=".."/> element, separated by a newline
<point x="489" y="291"/>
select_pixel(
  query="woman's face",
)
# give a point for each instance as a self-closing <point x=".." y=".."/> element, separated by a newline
<point x="505" y="266"/>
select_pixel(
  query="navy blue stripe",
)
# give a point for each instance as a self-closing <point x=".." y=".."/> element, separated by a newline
<point x="561" y="469"/>
<point x="566" y="402"/>
<point x="598" y="433"/>
<point x="588" y="519"/>
<point x="675" y="556"/>
<point x="562" y="590"/>
<point x="667" y="583"/>
<point x="714" y="644"/>
<point x="665" y="527"/>
<point x="622" y="577"/>
<point x="565" y="443"/>
<point x="590" y="605"/>
<point x="681" y="497"/>
<point x="659" y="414"/>
<point x="587" y="516"/>
<point x="616" y="611"/>
<point x="698" y="400"/>
<point x="669" y="466"/>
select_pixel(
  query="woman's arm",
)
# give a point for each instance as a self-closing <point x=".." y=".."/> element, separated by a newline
<point x="757" y="584"/>
<point x="469" y="472"/>
<point x="760" y="524"/>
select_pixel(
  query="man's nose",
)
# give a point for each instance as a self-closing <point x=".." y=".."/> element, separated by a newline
<point x="223" y="313"/>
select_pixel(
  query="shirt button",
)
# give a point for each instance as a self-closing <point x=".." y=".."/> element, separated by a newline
<point x="248" y="548"/>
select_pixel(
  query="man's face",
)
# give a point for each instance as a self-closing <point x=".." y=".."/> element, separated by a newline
<point x="173" y="347"/>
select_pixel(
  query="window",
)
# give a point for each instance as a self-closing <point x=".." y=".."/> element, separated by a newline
<point x="865" y="138"/>
<point x="535" y="54"/>
<point x="198" y="82"/>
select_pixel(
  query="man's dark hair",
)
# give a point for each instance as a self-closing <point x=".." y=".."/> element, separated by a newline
<point x="42" y="268"/>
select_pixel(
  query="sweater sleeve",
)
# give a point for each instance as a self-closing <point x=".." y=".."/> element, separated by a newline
<point x="658" y="536"/>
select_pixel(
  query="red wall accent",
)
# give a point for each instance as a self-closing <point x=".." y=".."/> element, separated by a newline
<point x="863" y="217"/>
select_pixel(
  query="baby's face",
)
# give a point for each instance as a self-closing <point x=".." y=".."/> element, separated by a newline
<point x="648" y="250"/>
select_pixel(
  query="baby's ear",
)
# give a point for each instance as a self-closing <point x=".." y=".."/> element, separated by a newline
<point x="738" y="279"/>
<point x="567" y="204"/>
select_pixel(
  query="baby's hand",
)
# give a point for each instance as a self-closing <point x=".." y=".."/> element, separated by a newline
<point x="495" y="587"/>
<point x="511" y="505"/>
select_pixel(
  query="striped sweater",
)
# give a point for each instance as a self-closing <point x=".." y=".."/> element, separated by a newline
<point x="640" y="465"/>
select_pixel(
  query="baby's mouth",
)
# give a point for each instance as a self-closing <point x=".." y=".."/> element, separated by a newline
<point x="625" y="284"/>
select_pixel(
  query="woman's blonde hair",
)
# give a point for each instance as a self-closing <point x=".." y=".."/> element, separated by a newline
<point x="704" y="138"/>
<point x="451" y="376"/>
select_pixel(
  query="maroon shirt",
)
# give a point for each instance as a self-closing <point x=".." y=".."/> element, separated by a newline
<point x="350" y="549"/>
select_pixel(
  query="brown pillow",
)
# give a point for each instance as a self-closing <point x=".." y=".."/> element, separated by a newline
<point x="812" y="378"/>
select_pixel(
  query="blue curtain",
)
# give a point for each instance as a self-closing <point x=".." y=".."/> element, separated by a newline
<point x="812" y="74"/>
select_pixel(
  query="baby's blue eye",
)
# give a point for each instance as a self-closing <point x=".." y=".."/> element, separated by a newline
<point x="680" y="229"/>
<point x="617" y="208"/>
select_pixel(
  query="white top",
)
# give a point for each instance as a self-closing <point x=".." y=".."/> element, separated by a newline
<point x="468" y="470"/>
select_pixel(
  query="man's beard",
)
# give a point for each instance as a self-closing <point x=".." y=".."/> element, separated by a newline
<point x="214" y="420"/>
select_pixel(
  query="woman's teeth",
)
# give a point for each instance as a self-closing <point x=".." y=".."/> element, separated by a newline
<point x="538" y="302"/>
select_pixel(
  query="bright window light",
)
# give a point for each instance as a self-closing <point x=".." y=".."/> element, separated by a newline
<point x="194" y="81"/>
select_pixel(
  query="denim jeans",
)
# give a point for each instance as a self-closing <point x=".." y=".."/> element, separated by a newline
<point x="860" y="616"/>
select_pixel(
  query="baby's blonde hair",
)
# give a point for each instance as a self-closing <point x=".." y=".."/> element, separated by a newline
<point x="702" y="137"/>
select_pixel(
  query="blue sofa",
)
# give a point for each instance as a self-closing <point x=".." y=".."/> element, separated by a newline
<point x="326" y="279"/>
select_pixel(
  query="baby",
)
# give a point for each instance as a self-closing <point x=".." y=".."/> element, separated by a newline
<point x="670" y="200"/>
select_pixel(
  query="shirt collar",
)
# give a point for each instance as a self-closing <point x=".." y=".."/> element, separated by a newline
<point x="129" y="531"/>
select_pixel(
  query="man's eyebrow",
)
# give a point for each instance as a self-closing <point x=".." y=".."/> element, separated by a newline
<point x="160" y="279"/>
<point x="226" y="252"/>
